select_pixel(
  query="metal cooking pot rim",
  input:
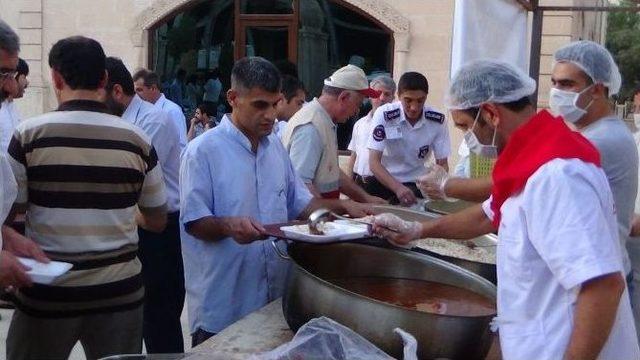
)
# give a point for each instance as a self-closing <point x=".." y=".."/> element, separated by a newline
<point x="410" y="253"/>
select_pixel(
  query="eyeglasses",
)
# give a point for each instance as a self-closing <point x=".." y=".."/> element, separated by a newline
<point x="4" y="74"/>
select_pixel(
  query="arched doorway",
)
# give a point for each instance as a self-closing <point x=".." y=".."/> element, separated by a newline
<point x="318" y="36"/>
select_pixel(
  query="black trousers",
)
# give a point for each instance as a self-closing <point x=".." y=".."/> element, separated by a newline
<point x="374" y="187"/>
<point x="163" y="277"/>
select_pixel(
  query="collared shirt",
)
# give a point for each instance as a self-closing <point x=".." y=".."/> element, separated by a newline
<point x="9" y="119"/>
<point x="404" y="147"/>
<point x="221" y="176"/>
<point x="278" y="128"/>
<point x="358" y="144"/>
<point x="555" y="235"/>
<point x="176" y="115"/>
<point x="619" y="157"/>
<point x="165" y="139"/>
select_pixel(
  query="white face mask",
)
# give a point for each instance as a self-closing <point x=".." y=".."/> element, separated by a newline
<point x="478" y="148"/>
<point x="564" y="103"/>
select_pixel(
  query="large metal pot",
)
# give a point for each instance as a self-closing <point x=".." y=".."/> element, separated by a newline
<point x="310" y="295"/>
<point x="487" y="271"/>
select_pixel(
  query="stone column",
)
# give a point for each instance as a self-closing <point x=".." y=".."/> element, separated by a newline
<point x="35" y="101"/>
<point x="401" y="49"/>
<point x="312" y="47"/>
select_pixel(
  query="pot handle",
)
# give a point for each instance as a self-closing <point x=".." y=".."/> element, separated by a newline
<point x="278" y="251"/>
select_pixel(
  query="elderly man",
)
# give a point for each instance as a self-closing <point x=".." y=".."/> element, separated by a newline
<point x="359" y="159"/>
<point x="160" y="254"/>
<point x="561" y="288"/>
<point x="147" y="85"/>
<point x="86" y="179"/>
<point x="12" y="272"/>
<point x="310" y="136"/>
<point x="233" y="179"/>
<point x="9" y="116"/>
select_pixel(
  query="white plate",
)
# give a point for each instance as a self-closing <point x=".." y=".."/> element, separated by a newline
<point x="45" y="273"/>
<point x="334" y="231"/>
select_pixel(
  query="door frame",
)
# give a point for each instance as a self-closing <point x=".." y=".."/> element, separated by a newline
<point x="243" y="21"/>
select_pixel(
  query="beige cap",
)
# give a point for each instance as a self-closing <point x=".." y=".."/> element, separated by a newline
<point x="351" y="77"/>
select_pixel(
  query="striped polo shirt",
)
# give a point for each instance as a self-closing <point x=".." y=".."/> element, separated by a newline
<point x="81" y="174"/>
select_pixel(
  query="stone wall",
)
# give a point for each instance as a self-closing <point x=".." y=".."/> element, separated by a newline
<point x="422" y="35"/>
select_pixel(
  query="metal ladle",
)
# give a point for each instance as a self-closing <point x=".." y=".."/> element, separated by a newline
<point x="325" y="215"/>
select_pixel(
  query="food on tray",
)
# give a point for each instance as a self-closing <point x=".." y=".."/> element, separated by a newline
<point x="325" y="228"/>
<point x="459" y="249"/>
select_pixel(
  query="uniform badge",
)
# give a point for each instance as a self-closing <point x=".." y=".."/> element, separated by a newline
<point x="424" y="150"/>
<point x="392" y="115"/>
<point x="378" y="133"/>
<point x="434" y="116"/>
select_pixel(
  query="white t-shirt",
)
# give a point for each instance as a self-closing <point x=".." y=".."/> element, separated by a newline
<point x="556" y="234"/>
<point x="358" y="144"/>
<point x="404" y="147"/>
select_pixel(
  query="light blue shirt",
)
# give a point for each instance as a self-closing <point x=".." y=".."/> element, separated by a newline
<point x="221" y="176"/>
<point x="278" y="128"/>
<point x="176" y="115"/>
<point x="164" y="138"/>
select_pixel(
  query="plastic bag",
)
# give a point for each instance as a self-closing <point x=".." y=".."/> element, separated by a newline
<point x="323" y="338"/>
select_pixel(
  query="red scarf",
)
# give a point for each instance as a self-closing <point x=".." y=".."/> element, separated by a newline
<point x="541" y="139"/>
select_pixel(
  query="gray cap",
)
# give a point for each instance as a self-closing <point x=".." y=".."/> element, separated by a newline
<point x="487" y="81"/>
<point x="595" y="60"/>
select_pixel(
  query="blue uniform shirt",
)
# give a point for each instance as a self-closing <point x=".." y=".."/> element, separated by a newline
<point x="221" y="176"/>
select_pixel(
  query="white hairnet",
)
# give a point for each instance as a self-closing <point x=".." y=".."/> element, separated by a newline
<point x="595" y="60"/>
<point x="484" y="81"/>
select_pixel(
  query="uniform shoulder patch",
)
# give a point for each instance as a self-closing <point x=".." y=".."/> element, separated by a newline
<point x="378" y="133"/>
<point x="392" y="114"/>
<point x="434" y="116"/>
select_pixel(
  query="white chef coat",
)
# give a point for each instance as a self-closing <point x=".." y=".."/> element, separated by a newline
<point x="404" y="147"/>
<point x="358" y="144"/>
<point x="556" y="234"/>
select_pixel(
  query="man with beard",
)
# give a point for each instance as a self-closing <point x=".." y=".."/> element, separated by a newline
<point x="160" y="254"/>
